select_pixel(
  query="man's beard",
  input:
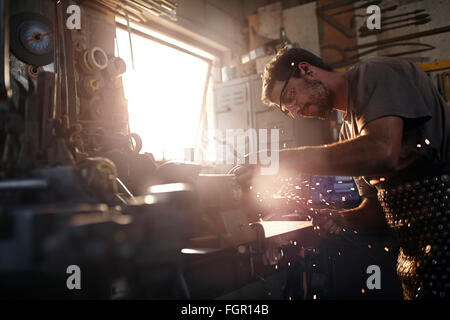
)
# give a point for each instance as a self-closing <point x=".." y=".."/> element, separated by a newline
<point x="320" y="96"/>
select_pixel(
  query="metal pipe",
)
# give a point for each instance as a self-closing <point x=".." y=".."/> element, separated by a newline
<point x="23" y="184"/>
<point x="5" y="85"/>
<point x="131" y="43"/>
<point x="122" y="185"/>
<point x="60" y="21"/>
<point x="55" y="106"/>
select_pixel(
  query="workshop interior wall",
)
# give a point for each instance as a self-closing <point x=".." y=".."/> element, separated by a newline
<point x="330" y="36"/>
<point x="219" y="21"/>
<point x="222" y="22"/>
<point x="438" y="13"/>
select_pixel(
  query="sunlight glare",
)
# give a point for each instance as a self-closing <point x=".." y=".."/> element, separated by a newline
<point x="165" y="93"/>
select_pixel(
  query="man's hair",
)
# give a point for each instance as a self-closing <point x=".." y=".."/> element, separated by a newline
<point x="281" y="66"/>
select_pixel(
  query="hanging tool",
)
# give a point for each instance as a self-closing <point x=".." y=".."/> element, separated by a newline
<point x="346" y="60"/>
<point x="425" y="46"/>
<point x="404" y="14"/>
<point x="378" y="31"/>
<point x="383" y="19"/>
<point x="352" y="19"/>
<point x="320" y="12"/>
<point x="417" y="18"/>
<point x="131" y="43"/>
<point x="400" y="38"/>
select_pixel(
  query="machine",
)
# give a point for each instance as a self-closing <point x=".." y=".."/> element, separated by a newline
<point x="85" y="215"/>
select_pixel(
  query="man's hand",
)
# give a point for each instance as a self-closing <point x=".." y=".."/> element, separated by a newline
<point x="328" y="221"/>
<point x="245" y="174"/>
<point x="247" y="171"/>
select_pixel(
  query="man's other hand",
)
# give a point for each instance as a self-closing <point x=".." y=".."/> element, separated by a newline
<point x="328" y="222"/>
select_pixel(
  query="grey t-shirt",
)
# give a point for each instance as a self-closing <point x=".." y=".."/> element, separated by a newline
<point x="382" y="87"/>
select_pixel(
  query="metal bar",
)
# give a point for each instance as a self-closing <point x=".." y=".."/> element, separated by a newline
<point x="54" y="110"/>
<point x="320" y="12"/>
<point x="131" y="43"/>
<point x="389" y="46"/>
<point x="5" y="85"/>
<point x="62" y="36"/>
<point x="435" y="65"/>
<point x="276" y="228"/>
<point x="23" y="184"/>
<point x="417" y="17"/>
<point x="122" y="185"/>
<point x="203" y="111"/>
<point x="409" y="52"/>
<point x="404" y="14"/>
<point x="348" y="32"/>
<point x="353" y="59"/>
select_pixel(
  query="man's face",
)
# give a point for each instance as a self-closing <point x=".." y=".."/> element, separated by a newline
<point x="304" y="97"/>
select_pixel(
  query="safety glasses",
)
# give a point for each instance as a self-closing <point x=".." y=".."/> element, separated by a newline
<point x="284" y="110"/>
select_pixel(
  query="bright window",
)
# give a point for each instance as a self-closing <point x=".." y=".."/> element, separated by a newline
<point x="165" y="94"/>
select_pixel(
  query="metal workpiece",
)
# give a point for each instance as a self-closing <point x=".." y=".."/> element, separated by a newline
<point x="276" y="228"/>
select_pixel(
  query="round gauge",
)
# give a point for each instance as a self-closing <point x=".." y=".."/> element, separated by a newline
<point x="36" y="38"/>
<point x="32" y="38"/>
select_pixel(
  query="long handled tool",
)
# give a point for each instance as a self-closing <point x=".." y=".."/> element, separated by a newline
<point x="368" y="32"/>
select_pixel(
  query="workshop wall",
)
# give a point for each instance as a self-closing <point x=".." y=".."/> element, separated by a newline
<point x="219" y="21"/>
<point x="438" y="13"/>
<point x="331" y="37"/>
<point x="223" y="21"/>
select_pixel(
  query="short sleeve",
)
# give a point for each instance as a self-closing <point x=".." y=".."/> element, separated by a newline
<point x="388" y="89"/>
